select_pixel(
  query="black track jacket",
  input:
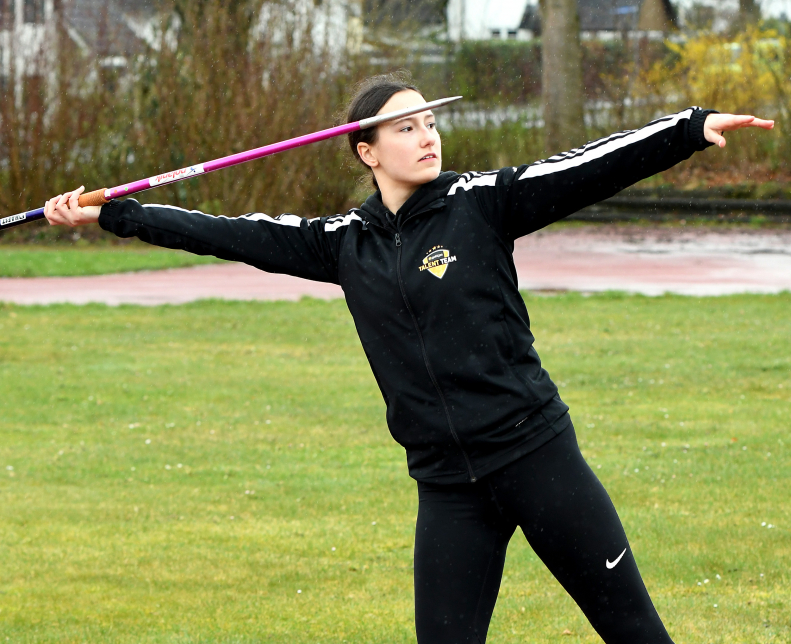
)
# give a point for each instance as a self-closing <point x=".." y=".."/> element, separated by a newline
<point x="433" y="288"/>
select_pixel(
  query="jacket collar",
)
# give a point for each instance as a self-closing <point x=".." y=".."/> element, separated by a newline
<point x="428" y="196"/>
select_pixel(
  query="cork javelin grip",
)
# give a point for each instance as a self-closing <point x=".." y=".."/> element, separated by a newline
<point x="100" y="197"/>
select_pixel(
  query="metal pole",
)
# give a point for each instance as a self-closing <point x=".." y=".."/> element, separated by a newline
<point x="102" y="196"/>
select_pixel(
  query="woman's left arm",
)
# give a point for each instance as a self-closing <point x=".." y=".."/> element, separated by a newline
<point x="534" y="196"/>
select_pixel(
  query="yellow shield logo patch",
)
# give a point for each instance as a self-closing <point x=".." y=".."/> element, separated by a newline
<point x="436" y="261"/>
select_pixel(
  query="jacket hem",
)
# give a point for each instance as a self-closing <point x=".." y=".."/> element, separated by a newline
<point x="530" y="445"/>
<point x="535" y="441"/>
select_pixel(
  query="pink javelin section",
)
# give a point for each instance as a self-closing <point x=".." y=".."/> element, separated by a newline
<point x="230" y="160"/>
<point x="267" y="150"/>
<point x="282" y="146"/>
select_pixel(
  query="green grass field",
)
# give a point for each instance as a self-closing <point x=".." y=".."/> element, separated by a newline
<point x="180" y="474"/>
<point x="32" y="261"/>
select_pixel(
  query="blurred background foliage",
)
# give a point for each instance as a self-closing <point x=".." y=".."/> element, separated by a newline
<point x="743" y="73"/>
<point x="223" y="77"/>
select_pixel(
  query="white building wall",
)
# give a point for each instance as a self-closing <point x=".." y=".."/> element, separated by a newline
<point x="24" y="43"/>
<point x="328" y="23"/>
<point x="485" y="19"/>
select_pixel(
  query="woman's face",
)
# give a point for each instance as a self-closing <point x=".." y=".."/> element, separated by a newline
<point x="407" y="152"/>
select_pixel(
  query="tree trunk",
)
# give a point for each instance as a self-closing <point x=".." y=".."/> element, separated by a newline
<point x="749" y="11"/>
<point x="561" y="75"/>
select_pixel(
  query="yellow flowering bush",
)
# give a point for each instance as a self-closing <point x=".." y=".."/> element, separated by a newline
<point x="746" y="73"/>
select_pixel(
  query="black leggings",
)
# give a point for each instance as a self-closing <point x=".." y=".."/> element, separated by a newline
<point x="568" y="519"/>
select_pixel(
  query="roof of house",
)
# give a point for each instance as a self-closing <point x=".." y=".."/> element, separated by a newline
<point x="615" y="15"/>
<point x="108" y="27"/>
<point x="531" y="19"/>
<point x="602" y="15"/>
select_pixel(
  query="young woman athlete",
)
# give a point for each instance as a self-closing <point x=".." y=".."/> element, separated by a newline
<point x="427" y="270"/>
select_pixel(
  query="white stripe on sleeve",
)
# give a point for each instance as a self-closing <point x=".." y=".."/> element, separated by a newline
<point x="169" y="207"/>
<point x="476" y="179"/>
<point x="283" y="220"/>
<point x="286" y="219"/>
<point x="611" y="144"/>
<point x="333" y="223"/>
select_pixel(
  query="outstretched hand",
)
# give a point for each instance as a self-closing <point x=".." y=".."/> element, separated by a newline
<point x="65" y="210"/>
<point x="717" y="124"/>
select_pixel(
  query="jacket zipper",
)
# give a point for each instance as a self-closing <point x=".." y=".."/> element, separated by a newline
<point x="521" y="421"/>
<point x="473" y="478"/>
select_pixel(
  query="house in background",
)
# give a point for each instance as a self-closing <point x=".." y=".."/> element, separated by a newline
<point x="487" y="19"/>
<point x="16" y="13"/>
<point x="114" y="30"/>
<point x="24" y="25"/>
<point x="110" y="30"/>
<point x="521" y="19"/>
<point x="638" y="18"/>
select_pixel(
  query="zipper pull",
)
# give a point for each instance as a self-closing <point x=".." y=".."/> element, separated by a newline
<point x="398" y="239"/>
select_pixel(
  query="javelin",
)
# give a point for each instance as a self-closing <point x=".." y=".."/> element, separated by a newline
<point x="102" y="196"/>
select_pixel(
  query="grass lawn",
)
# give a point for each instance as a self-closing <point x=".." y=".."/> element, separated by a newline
<point x="38" y="261"/>
<point x="180" y="474"/>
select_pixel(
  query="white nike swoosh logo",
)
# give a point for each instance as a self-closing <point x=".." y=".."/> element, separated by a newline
<point x="612" y="565"/>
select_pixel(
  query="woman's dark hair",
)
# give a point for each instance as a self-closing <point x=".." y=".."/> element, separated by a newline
<point x="370" y="97"/>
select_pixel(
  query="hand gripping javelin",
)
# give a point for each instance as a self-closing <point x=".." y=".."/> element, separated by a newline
<point x="101" y="197"/>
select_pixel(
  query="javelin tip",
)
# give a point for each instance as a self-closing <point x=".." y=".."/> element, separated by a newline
<point x="445" y="101"/>
<point x="409" y="111"/>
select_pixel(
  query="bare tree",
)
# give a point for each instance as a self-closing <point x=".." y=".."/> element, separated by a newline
<point x="561" y="75"/>
<point x="749" y="11"/>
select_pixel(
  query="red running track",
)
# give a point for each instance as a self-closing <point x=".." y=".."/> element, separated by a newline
<point x="644" y="260"/>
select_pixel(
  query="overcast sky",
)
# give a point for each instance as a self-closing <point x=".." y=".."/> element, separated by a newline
<point x="481" y="16"/>
<point x="770" y="7"/>
<point x="509" y="7"/>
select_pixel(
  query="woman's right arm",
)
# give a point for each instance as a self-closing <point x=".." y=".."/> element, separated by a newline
<point x="289" y="244"/>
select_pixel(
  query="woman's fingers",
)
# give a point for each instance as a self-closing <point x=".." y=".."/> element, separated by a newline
<point x="736" y="122"/>
<point x="728" y="122"/>
<point x="74" y="198"/>
<point x="766" y="125"/>
<point x="49" y="212"/>
<point x="62" y="199"/>
<point x="717" y="124"/>
<point x="62" y="209"/>
<point x="65" y="210"/>
<point x="75" y="211"/>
